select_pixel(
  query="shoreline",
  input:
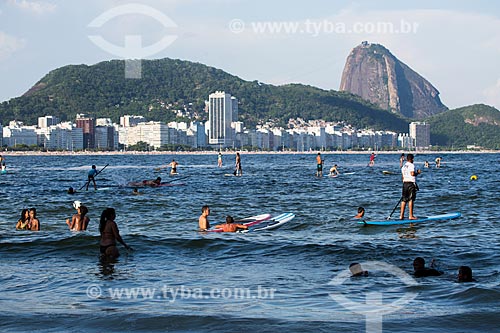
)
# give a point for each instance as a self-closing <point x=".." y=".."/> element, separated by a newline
<point x="85" y="153"/>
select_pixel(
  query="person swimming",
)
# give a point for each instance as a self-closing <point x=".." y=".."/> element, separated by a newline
<point x="230" y="226"/>
<point x="421" y="271"/>
<point x="357" y="270"/>
<point x="23" y="222"/>
<point x="361" y="213"/>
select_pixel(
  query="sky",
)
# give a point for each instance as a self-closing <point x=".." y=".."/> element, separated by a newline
<point x="455" y="45"/>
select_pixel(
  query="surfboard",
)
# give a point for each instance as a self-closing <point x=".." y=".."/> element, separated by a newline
<point x="349" y="173"/>
<point x="274" y="223"/>
<point x="170" y="184"/>
<point x="104" y="188"/>
<point x="385" y="172"/>
<point x="442" y="217"/>
<point x="248" y="221"/>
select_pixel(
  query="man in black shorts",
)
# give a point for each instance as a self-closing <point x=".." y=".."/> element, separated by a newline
<point x="410" y="187"/>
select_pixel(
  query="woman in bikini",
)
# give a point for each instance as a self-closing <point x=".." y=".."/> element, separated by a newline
<point x="110" y="234"/>
<point x="22" y="223"/>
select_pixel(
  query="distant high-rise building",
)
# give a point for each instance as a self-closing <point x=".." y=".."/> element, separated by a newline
<point x="87" y="124"/>
<point x="129" y="121"/>
<point x="220" y="116"/>
<point x="47" y="121"/>
<point x="420" y="133"/>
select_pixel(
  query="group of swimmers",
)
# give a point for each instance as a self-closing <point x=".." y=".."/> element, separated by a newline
<point x="79" y="222"/>
<point x="420" y="270"/>
<point x="28" y="220"/>
<point x="229" y="226"/>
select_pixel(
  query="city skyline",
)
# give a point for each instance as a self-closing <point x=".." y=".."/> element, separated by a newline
<point x="453" y="44"/>
<point x="88" y="133"/>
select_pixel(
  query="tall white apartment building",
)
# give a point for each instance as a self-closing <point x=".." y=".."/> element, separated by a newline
<point x="220" y="117"/>
<point x="420" y="133"/>
<point x="47" y="121"/>
<point x="153" y="133"/>
<point x="129" y="121"/>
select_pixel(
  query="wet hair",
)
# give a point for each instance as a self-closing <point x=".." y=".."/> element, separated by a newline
<point x="23" y="214"/>
<point x="465" y="274"/>
<point x="158" y="179"/>
<point x="71" y="190"/>
<point x="106" y="215"/>
<point x="83" y="210"/>
<point x="419" y="262"/>
<point x="204" y="208"/>
<point x="360" y="209"/>
<point x="229" y="219"/>
<point x="33" y="210"/>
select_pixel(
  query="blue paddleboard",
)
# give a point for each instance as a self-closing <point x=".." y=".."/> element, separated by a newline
<point x="441" y="217"/>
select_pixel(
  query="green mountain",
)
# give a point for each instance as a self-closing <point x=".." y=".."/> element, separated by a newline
<point x="103" y="91"/>
<point x="477" y="124"/>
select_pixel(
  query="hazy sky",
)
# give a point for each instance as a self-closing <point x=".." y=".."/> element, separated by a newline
<point x="453" y="44"/>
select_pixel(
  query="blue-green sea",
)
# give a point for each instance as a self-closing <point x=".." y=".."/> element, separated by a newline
<point x="293" y="279"/>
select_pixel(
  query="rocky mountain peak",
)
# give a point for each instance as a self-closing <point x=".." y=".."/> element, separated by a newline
<point x="374" y="73"/>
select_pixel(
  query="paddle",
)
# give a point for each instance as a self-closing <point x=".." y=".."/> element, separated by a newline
<point x="395" y="208"/>
<point x="88" y="181"/>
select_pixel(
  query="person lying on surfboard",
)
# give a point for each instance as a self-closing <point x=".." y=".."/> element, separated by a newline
<point x="230" y="226"/>
<point x="152" y="183"/>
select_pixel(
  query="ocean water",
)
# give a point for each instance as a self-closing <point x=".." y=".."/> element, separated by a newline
<point x="293" y="279"/>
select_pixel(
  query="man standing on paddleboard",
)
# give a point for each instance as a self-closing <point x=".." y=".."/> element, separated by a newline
<point x="410" y="187"/>
<point x="91" y="174"/>
<point x="319" y="166"/>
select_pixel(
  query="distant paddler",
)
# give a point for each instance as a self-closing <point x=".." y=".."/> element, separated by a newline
<point x="91" y="177"/>
<point x="372" y="160"/>
<point x="219" y="160"/>
<point x="438" y="162"/>
<point x="173" y="165"/>
<point x="334" y="171"/>
<point x="319" y="166"/>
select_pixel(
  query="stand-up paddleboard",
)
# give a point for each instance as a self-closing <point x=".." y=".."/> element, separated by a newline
<point x="248" y="221"/>
<point x="274" y="223"/>
<point x="441" y="217"/>
<point x="341" y="174"/>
